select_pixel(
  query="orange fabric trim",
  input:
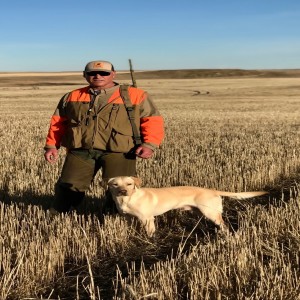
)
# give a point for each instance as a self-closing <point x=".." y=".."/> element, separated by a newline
<point x="152" y="129"/>
<point x="80" y="95"/>
<point x="136" y="95"/>
<point x="56" y="131"/>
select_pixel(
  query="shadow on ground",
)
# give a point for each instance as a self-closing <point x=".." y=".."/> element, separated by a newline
<point x="175" y="229"/>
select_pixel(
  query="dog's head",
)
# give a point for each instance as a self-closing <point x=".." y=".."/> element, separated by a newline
<point x="123" y="185"/>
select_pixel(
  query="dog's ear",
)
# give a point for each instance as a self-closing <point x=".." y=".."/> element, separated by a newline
<point x="137" y="181"/>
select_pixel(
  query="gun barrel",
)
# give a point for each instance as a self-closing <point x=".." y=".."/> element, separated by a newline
<point x="132" y="74"/>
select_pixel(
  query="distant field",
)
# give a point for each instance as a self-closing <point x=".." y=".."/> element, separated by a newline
<point x="223" y="130"/>
<point x="73" y="78"/>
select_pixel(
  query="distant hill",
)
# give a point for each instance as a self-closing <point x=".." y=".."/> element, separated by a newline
<point x="75" y="78"/>
<point x="211" y="73"/>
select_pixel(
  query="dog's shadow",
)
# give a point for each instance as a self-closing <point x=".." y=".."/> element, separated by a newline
<point x="177" y="231"/>
<point x="194" y="222"/>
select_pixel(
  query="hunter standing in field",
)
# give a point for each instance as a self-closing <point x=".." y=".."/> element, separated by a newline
<point x="104" y="126"/>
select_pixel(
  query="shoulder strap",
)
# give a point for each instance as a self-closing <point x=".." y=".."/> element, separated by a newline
<point x="130" y="111"/>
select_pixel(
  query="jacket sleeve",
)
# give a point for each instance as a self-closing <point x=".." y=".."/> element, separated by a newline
<point x="57" y="126"/>
<point x="151" y="123"/>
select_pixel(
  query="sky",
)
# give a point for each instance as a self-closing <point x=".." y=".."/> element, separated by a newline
<point x="63" y="35"/>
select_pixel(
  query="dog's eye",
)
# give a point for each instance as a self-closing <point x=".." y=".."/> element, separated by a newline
<point x="129" y="184"/>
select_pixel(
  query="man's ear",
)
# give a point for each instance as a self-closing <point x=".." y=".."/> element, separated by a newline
<point x="137" y="181"/>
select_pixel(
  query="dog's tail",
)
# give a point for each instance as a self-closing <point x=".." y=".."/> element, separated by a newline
<point x="241" y="195"/>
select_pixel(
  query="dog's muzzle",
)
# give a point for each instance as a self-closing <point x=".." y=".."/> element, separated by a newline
<point x="122" y="193"/>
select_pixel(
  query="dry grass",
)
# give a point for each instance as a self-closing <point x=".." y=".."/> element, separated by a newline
<point x="242" y="135"/>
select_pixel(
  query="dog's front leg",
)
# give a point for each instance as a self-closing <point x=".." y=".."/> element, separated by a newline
<point x="149" y="226"/>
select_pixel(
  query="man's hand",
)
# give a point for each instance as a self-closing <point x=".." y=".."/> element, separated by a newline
<point x="144" y="152"/>
<point x="51" y="155"/>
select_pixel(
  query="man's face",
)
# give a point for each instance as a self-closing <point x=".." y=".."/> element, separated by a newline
<point x="100" y="79"/>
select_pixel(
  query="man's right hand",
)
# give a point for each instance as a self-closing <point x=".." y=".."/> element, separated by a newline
<point x="51" y="155"/>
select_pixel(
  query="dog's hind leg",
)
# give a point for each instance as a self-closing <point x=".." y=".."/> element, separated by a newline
<point x="220" y="222"/>
<point x="216" y="217"/>
<point x="212" y="209"/>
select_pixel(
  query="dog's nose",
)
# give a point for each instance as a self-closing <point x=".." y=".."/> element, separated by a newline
<point x="123" y="192"/>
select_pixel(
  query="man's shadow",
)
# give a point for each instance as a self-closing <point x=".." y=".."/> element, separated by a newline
<point x="279" y="193"/>
<point x="91" y="205"/>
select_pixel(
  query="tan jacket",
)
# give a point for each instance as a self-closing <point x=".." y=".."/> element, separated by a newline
<point x="85" y="120"/>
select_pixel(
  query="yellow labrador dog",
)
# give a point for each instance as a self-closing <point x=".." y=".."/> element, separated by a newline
<point x="146" y="203"/>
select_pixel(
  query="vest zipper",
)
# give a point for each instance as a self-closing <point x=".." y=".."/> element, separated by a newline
<point x="93" y="98"/>
<point x="95" y="117"/>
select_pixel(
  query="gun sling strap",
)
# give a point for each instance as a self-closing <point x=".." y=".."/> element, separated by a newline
<point x="130" y="111"/>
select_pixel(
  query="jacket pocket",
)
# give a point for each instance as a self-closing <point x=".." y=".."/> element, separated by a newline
<point x="73" y="136"/>
<point x="121" y="140"/>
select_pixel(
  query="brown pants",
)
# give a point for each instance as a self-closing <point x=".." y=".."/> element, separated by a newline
<point x="79" y="170"/>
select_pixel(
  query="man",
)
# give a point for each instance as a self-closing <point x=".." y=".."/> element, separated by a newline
<point x="94" y="125"/>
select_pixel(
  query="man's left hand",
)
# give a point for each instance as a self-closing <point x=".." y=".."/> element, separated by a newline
<point x="144" y="152"/>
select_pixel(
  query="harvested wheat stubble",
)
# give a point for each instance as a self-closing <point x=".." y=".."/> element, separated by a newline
<point x="243" y="135"/>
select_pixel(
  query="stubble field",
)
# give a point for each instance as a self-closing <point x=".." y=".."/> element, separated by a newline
<point x="237" y="134"/>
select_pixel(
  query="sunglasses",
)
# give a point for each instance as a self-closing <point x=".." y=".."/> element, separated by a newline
<point x="101" y="73"/>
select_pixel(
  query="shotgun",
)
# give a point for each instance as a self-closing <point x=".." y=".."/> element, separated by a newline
<point x="132" y="74"/>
